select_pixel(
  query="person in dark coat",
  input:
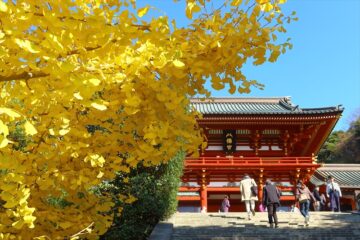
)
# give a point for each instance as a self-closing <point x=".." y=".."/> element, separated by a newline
<point x="271" y="199"/>
<point x="317" y="197"/>
<point x="322" y="202"/>
<point x="225" y="205"/>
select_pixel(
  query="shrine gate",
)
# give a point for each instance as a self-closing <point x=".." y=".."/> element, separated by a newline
<point x="263" y="137"/>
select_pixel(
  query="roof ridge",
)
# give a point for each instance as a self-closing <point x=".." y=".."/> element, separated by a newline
<point x="279" y="97"/>
<point x="339" y="107"/>
<point x="255" y="105"/>
<point x="241" y="99"/>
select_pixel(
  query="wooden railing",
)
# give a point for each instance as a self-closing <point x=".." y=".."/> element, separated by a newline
<point x="208" y="161"/>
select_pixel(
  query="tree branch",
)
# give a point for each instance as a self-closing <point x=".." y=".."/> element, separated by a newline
<point x="23" y="76"/>
<point x="84" y="231"/>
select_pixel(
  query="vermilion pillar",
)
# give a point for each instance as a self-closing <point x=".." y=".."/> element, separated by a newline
<point x="203" y="198"/>
<point x="260" y="185"/>
<point x="353" y="204"/>
<point x="260" y="192"/>
<point x="297" y="177"/>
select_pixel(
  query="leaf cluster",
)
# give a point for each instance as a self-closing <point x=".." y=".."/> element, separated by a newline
<point x="91" y="88"/>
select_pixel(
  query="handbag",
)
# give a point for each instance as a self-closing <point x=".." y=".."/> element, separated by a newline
<point x="303" y="197"/>
<point x="262" y="207"/>
<point x="254" y="190"/>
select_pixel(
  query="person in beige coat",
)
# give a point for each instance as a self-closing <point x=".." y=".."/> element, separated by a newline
<point x="247" y="196"/>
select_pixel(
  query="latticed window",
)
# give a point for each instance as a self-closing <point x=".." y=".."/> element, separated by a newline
<point x="215" y="131"/>
<point x="270" y="132"/>
<point x="243" y="131"/>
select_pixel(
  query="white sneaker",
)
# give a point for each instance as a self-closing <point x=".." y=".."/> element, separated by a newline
<point x="307" y="219"/>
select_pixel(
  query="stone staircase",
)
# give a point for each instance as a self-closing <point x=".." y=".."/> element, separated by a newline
<point x="236" y="226"/>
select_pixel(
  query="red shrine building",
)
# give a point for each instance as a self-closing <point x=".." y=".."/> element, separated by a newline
<point x="263" y="137"/>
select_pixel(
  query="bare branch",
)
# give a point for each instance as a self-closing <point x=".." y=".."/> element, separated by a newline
<point x="82" y="232"/>
<point x="23" y="76"/>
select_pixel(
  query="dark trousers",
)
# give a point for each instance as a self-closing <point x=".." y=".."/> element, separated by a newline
<point x="271" y="207"/>
<point x="334" y="201"/>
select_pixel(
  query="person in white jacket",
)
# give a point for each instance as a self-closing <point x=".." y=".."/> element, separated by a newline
<point x="247" y="195"/>
<point x="333" y="192"/>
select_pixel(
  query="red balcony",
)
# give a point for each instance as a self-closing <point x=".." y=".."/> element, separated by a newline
<point x="234" y="162"/>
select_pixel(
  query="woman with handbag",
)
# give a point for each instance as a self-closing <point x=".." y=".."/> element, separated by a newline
<point x="304" y="196"/>
<point x="248" y="189"/>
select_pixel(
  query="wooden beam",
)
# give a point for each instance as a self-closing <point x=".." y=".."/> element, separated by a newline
<point x="309" y="143"/>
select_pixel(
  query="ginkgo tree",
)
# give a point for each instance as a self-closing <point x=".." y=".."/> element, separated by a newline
<point x="96" y="87"/>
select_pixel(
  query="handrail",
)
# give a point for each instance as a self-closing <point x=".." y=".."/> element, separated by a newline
<point x="248" y="160"/>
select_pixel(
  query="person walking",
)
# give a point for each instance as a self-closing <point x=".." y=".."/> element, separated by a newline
<point x="322" y="202"/>
<point x="303" y="195"/>
<point x="333" y="192"/>
<point x="248" y="189"/>
<point x="271" y="199"/>
<point x="317" y="197"/>
<point x="225" y="205"/>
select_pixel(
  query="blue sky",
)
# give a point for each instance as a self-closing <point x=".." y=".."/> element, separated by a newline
<point x="322" y="69"/>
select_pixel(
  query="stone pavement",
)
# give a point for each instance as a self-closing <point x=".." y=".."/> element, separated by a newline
<point x="236" y="226"/>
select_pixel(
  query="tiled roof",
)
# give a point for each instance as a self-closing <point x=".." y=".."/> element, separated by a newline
<point x="275" y="105"/>
<point x="346" y="175"/>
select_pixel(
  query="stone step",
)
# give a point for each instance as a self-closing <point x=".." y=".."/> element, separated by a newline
<point x="236" y="226"/>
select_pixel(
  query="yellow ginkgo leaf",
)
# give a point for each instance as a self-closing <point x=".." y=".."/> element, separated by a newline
<point x="6" y="196"/>
<point x="100" y="175"/>
<point x="95" y="160"/>
<point x="100" y="107"/>
<point x="63" y="132"/>
<point x="3" y="6"/>
<point x="29" y="128"/>
<point x="236" y="2"/>
<point x="267" y="7"/>
<point x="18" y="224"/>
<point x="142" y="11"/>
<point x="150" y="135"/>
<point x="26" y="45"/>
<point x="51" y="131"/>
<point x="191" y="8"/>
<point x="78" y="96"/>
<point x="29" y="219"/>
<point x="55" y="41"/>
<point x="94" y="81"/>
<point x="3" y="129"/>
<point x="11" y="113"/>
<point x="179" y="64"/>
<point x="65" y="225"/>
<point x="133" y="101"/>
<point x="9" y="187"/>
<point x="10" y="204"/>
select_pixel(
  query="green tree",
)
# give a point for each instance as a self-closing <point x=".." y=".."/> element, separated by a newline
<point x="155" y="189"/>
<point x="342" y="147"/>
